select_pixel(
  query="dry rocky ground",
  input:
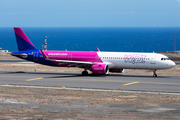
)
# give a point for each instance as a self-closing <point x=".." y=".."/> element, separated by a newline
<point x="43" y="103"/>
<point x="28" y="103"/>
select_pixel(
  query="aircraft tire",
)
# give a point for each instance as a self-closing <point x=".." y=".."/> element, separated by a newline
<point x="84" y="73"/>
<point x="155" y="75"/>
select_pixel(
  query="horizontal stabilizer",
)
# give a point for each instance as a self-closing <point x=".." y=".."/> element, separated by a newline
<point x="24" y="55"/>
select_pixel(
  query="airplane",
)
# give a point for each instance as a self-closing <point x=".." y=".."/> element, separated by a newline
<point x="100" y="63"/>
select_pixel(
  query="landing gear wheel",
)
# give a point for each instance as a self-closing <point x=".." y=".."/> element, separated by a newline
<point x="84" y="73"/>
<point x="155" y="75"/>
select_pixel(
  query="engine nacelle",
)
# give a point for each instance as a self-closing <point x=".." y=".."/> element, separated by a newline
<point x="101" y="69"/>
<point x="116" y="70"/>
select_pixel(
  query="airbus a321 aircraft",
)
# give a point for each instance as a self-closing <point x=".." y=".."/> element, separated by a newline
<point x="98" y="62"/>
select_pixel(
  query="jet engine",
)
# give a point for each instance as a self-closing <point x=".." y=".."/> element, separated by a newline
<point x="101" y="69"/>
<point x="116" y="70"/>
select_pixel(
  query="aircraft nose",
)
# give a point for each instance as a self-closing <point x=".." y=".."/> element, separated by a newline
<point x="172" y="64"/>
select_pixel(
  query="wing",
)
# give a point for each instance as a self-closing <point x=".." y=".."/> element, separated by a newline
<point x="69" y="61"/>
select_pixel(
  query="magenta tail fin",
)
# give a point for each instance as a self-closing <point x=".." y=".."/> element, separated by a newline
<point x="23" y="41"/>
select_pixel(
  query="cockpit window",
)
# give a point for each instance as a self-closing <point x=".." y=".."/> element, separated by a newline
<point x="165" y="59"/>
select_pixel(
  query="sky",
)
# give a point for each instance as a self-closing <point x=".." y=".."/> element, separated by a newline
<point x="89" y="13"/>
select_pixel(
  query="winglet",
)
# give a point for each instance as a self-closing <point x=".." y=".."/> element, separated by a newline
<point x="44" y="55"/>
<point x="97" y="49"/>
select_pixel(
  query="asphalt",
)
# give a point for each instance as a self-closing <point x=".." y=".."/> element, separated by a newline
<point x="76" y="80"/>
<point x="15" y="62"/>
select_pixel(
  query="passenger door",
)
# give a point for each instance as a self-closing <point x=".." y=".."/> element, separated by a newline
<point x="35" y="56"/>
<point x="153" y="61"/>
<point x="70" y="57"/>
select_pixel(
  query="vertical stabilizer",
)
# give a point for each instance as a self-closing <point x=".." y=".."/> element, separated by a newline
<point x="23" y="41"/>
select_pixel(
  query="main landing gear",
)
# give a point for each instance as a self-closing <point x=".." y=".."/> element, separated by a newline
<point x="154" y="75"/>
<point x="85" y="73"/>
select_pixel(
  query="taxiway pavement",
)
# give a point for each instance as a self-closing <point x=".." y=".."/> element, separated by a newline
<point x="15" y="62"/>
<point x="163" y="83"/>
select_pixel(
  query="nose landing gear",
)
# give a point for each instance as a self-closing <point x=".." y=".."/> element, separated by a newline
<point x="154" y="75"/>
<point x="85" y="73"/>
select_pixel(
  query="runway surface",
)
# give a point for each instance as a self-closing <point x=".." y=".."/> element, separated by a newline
<point x="75" y="80"/>
<point x="15" y="62"/>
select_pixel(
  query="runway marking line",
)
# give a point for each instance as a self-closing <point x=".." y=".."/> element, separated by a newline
<point x="35" y="79"/>
<point x="131" y="83"/>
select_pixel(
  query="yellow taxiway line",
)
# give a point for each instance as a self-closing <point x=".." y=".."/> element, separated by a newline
<point x="34" y="79"/>
<point x="131" y="83"/>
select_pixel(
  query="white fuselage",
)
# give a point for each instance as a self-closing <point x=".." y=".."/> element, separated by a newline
<point x="130" y="60"/>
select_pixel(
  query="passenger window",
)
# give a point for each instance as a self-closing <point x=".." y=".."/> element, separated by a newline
<point x="161" y="58"/>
